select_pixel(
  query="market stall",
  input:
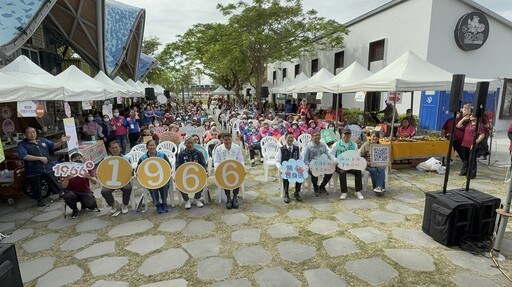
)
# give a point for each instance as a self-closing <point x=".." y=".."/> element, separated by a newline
<point x="94" y="151"/>
<point x="418" y="148"/>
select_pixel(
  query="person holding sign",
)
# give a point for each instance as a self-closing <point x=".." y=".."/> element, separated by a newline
<point x="161" y="192"/>
<point x="35" y="152"/>
<point x="190" y="154"/>
<point x="229" y="150"/>
<point x="377" y="173"/>
<point x="78" y="189"/>
<point x="287" y="152"/>
<point x="119" y="125"/>
<point x="115" y="150"/>
<point x="314" y="150"/>
<point x="338" y="148"/>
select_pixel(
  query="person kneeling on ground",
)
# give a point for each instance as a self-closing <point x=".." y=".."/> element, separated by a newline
<point x="78" y="189"/>
<point x="190" y="154"/>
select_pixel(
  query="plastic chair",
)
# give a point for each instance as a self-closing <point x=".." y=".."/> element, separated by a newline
<point x="140" y="147"/>
<point x="269" y="151"/>
<point x="214" y="143"/>
<point x="167" y="146"/>
<point x="304" y="139"/>
<point x="134" y="157"/>
<point x="268" y="139"/>
<point x="235" y="127"/>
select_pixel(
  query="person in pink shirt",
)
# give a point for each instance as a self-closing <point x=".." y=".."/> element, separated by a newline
<point x="467" y="143"/>
<point x="119" y="125"/>
<point x="405" y="130"/>
<point x="265" y="128"/>
<point x="294" y="129"/>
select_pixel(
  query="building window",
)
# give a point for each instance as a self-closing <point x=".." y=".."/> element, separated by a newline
<point x="339" y="60"/>
<point x="274" y="77"/>
<point x="376" y="52"/>
<point x="297" y="69"/>
<point x="506" y="100"/>
<point x="31" y="54"/>
<point x="284" y="74"/>
<point x="314" y="66"/>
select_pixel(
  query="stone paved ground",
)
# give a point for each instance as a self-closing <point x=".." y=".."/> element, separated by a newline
<point x="318" y="242"/>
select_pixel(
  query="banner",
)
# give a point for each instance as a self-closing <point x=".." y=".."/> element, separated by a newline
<point x="31" y="109"/>
<point x="294" y="170"/>
<point x="70" y="130"/>
<point x="95" y="152"/>
<point x="87" y="105"/>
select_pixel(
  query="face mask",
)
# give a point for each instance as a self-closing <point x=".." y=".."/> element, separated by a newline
<point x="116" y="114"/>
<point x="253" y="130"/>
<point x="294" y="127"/>
<point x="157" y="125"/>
<point x="275" y="127"/>
<point x="301" y="123"/>
<point x="106" y="120"/>
<point x="313" y="126"/>
<point x="90" y="119"/>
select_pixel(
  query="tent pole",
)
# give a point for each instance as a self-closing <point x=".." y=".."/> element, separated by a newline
<point x="336" y="114"/>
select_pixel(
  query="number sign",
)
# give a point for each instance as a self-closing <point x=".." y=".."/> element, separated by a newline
<point x="230" y="174"/>
<point x="154" y="172"/>
<point x="72" y="168"/>
<point x="191" y="177"/>
<point x="114" y="172"/>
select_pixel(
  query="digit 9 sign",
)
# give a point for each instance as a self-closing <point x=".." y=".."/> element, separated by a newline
<point x="230" y="174"/>
<point x="190" y="177"/>
<point x="154" y="172"/>
<point x="114" y="172"/>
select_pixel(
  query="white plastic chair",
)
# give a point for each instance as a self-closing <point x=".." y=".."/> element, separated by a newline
<point x="134" y="157"/>
<point x="140" y="147"/>
<point x="181" y="146"/>
<point x="366" y="177"/>
<point x="268" y="139"/>
<point x="282" y="141"/>
<point x="170" y="146"/>
<point x="235" y="128"/>
<point x="304" y="139"/>
<point x="269" y="151"/>
<point x="214" y="143"/>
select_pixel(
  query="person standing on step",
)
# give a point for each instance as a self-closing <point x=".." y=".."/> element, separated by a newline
<point x="114" y="148"/>
<point x="286" y="152"/>
<point x="229" y="150"/>
<point x="190" y="154"/>
<point x="315" y="149"/>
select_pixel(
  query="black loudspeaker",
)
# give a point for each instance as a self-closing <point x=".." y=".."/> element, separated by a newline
<point x="9" y="268"/>
<point x="167" y="94"/>
<point x="482" y="89"/>
<point x="456" y="92"/>
<point x="150" y="94"/>
<point x="484" y="218"/>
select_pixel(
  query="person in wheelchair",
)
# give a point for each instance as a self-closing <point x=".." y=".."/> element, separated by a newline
<point x="78" y="189"/>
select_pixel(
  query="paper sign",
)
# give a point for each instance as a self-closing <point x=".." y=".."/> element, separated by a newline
<point x="359" y="97"/>
<point x="107" y="110"/>
<point x="356" y="131"/>
<point x="351" y="160"/>
<point x="154" y="172"/>
<point x="8" y="126"/>
<point x="294" y="170"/>
<point x="322" y="165"/>
<point x="114" y="172"/>
<point x="160" y="130"/>
<point x="2" y="155"/>
<point x="230" y="174"/>
<point x="28" y="109"/>
<point x="328" y="135"/>
<point x="67" y="110"/>
<point x="72" y="168"/>
<point x="70" y="130"/>
<point x="95" y="152"/>
<point x="395" y="96"/>
<point x="87" y="105"/>
<point x="191" y="177"/>
<point x="380" y="154"/>
<point x="191" y="130"/>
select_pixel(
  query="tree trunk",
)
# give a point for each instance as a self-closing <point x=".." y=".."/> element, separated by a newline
<point x="260" y="73"/>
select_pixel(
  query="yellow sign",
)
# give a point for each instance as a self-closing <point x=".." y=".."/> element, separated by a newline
<point x="114" y="172"/>
<point x="191" y="177"/>
<point x="230" y="174"/>
<point x="154" y="172"/>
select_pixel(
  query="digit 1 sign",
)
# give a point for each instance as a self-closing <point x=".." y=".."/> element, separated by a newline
<point x="230" y="174"/>
<point x="154" y="172"/>
<point x="190" y="177"/>
<point x="114" y="172"/>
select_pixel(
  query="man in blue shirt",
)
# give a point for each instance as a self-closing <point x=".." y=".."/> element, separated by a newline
<point x="190" y="154"/>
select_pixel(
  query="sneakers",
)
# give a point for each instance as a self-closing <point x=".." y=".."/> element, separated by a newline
<point x="188" y="204"/>
<point x="378" y="190"/>
<point x="198" y="203"/>
<point x="165" y="208"/>
<point x="114" y="207"/>
<point x="41" y="203"/>
<point x="322" y="189"/>
<point x="252" y="164"/>
<point x="124" y="209"/>
<point x="159" y="208"/>
<point x="315" y="189"/>
<point x="235" y="203"/>
<point x="359" y="195"/>
<point x="75" y="213"/>
<point x="343" y="196"/>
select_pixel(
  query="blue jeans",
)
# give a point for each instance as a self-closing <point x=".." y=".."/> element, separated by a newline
<point x="378" y="175"/>
<point x="122" y="141"/>
<point x="160" y="193"/>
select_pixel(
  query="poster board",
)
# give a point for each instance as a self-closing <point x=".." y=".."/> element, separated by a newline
<point x="328" y="135"/>
<point x="380" y="154"/>
<point x="70" y="130"/>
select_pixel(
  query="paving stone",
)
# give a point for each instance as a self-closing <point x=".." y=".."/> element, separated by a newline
<point x="105" y="283"/>
<point x="414" y="237"/>
<point x="252" y="255"/>
<point x="299" y="213"/>
<point x="281" y="230"/>
<point x="146" y="244"/>
<point x="250" y="235"/>
<point x="168" y="283"/>
<point x="203" y="247"/>
<point x="348" y="217"/>
<point x="4" y="209"/>
<point x="359" y="204"/>
<point x="401" y="208"/>
<point x="469" y="261"/>
<point x="173" y="225"/>
<point x="18" y="215"/>
<point x="269" y="277"/>
<point x="323" y="278"/>
<point x="252" y="183"/>
<point x="368" y="234"/>
<point x="61" y="276"/>
<point x="373" y="270"/>
<point x="244" y="282"/>
<point x="30" y="270"/>
<point x="165" y="261"/>
<point x="199" y="227"/>
<point x="91" y="224"/>
<point x="471" y="280"/>
<point x="271" y="188"/>
<point x="339" y="246"/>
<point x="320" y="204"/>
<point x="214" y="268"/>
<point x="40" y="243"/>
<point x="47" y="216"/>
<point x="435" y="180"/>
<point x="262" y="210"/>
<point x="199" y="212"/>
<point x="235" y="219"/>
<point x="130" y="228"/>
<point x="78" y="241"/>
<point x="250" y="195"/>
<point x="386" y="217"/>
<point x="412" y="259"/>
<point x="276" y="200"/>
<point x="107" y="265"/>
<point x="322" y="226"/>
<point x="408" y="197"/>
<point x="506" y="247"/>
<point x="62" y="223"/>
<point x="295" y="252"/>
<point x="97" y="249"/>
<point x="6" y="226"/>
<point x="18" y="234"/>
<point x="482" y="186"/>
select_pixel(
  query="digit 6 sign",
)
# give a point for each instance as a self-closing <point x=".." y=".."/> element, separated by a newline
<point x="114" y="172"/>
<point x="230" y="174"/>
<point x="154" y="172"/>
<point x="190" y="177"/>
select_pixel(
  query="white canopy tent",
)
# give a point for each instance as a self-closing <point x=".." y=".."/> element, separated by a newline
<point x="158" y="89"/>
<point x="222" y="91"/>
<point x="82" y="87"/>
<point x="104" y="79"/>
<point x="16" y="90"/>
<point x="302" y="87"/>
<point x="23" y="68"/>
<point x="281" y="89"/>
<point x="351" y="74"/>
<point x="121" y="82"/>
<point x="133" y="84"/>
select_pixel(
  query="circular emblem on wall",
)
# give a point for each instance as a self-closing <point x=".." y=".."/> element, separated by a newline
<point x="8" y="126"/>
<point x="472" y="31"/>
<point x="6" y="112"/>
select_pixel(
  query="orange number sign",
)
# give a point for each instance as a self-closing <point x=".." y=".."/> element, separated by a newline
<point x="114" y="172"/>
<point x="230" y="174"/>
<point x="154" y="172"/>
<point x="191" y="177"/>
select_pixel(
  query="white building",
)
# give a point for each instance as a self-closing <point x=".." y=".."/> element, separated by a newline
<point x="425" y="27"/>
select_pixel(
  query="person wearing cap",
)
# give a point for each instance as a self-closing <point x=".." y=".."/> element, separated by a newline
<point x="315" y="149"/>
<point x="265" y="128"/>
<point x="253" y="140"/>
<point x="190" y="154"/>
<point x="115" y="150"/>
<point x="78" y="188"/>
<point x="313" y="127"/>
<point x="286" y="152"/>
<point x="294" y="129"/>
<point x="341" y="146"/>
<point x="388" y="112"/>
<point x="229" y="150"/>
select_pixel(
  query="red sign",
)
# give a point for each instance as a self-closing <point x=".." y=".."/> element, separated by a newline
<point x="395" y="97"/>
<point x="39" y="111"/>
